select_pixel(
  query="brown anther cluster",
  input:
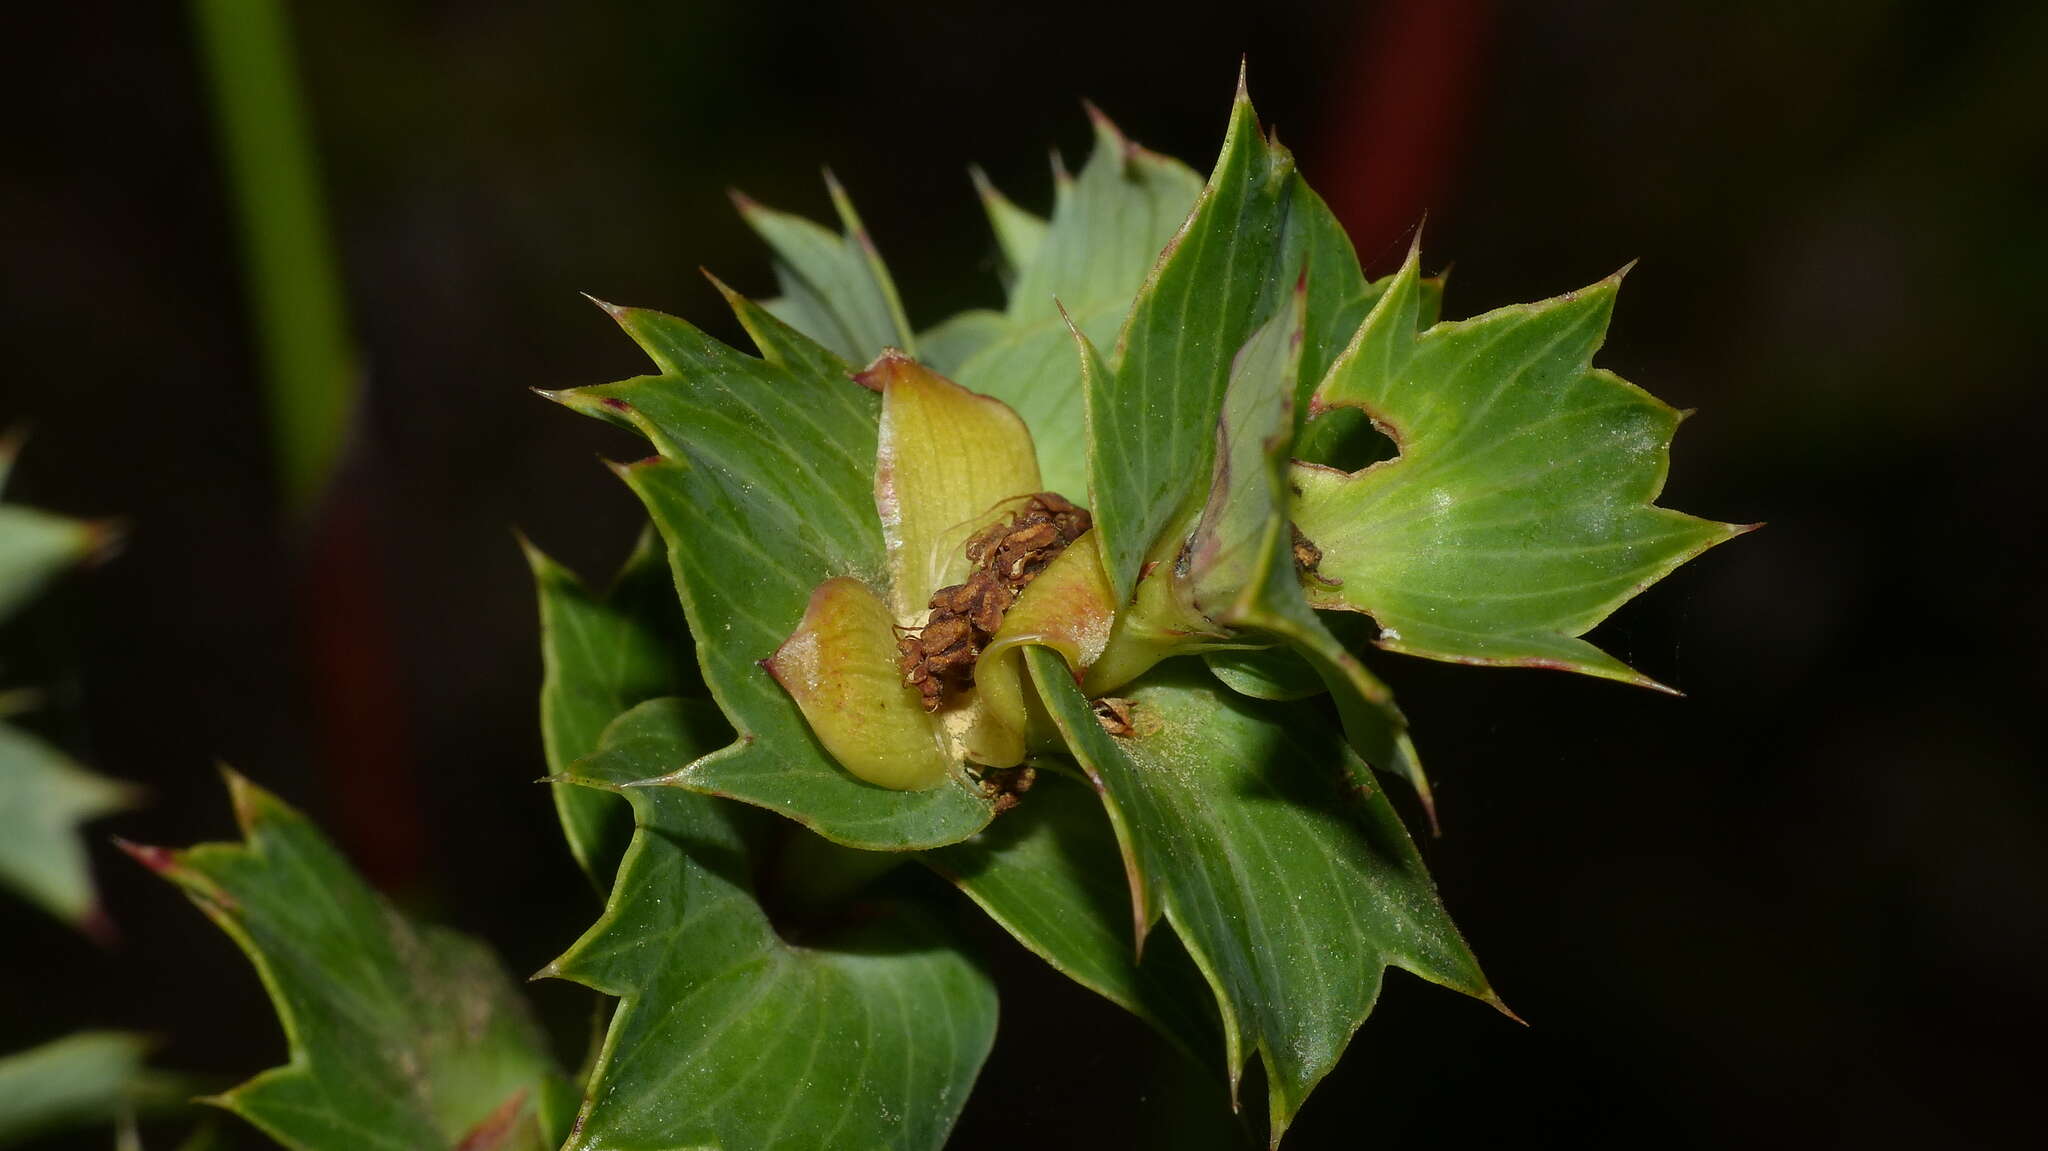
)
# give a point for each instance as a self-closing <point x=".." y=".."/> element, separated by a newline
<point x="1114" y="714"/>
<point x="1003" y="785"/>
<point x="1007" y="555"/>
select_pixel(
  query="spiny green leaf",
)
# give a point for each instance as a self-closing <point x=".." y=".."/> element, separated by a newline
<point x="1240" y="568"/>
<point x="44" y="797"/>
<point x="1050" y="874"/>
<point x="1345" y="437"/>
<point x="1519" y="512"/>
<point x="1285" y="872"/>
<point x="835" y="289"/>
<point x="1152" y="418"/>
<point x="401" y="1036"/>
<point x="1107" y="228"/>
<point x="764" y="492"/>
<point x="1106" y="231"/>
<point x="726" y="1036"/>
<point x="599" y="656"/>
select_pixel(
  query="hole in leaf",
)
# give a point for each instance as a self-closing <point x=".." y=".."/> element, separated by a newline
<point x="1344" y="438"/>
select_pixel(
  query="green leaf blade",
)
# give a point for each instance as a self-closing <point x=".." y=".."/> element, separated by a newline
<point x="1518" y="513"/>
<point x="835" y="288"/>
<point x="727" y="1036"/>
<point x="85" y="1079"/>
<point x="601" y="654"/>
<point x="1152" y="420"/>
<point x="401" y="1036"/>
<point x="1050" y="874"/>
<point x="1291" y="886"/>
<point x="764" y="490"/>
<point x="44" y="799"/>
<point x="1105" y="234"/>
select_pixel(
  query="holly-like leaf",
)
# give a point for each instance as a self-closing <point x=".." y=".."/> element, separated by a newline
<point x="1050" y="874"/>
<point x="1152" y="416"/>
<point x="764" y="490"/>
<point x="601" y="654"/>
<point x="1107" y="228"/>
<point x="1518" y="513"/>
<point x="726" y="1036"/>
<point x="1240" y="568"/>
<point x="88" y="1079"/>
<point x="1286" y="874"/>
<point x="835" y="289"/>
<point x="401" y="1036"/>
<point x="44" y="797"/>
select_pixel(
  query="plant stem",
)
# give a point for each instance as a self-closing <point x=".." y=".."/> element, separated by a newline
<point x="294" y="290"/>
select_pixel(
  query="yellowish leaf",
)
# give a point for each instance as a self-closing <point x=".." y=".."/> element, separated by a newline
<point x="840" y="668"/>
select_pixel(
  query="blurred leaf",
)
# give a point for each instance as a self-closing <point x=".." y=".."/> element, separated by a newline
<point x="1019" y="234"/>
<point x="1285" y="872"/>
<point x="1518" y="513"/>
<point x="87" y="1079"/>
<point x="763" y="491"/>
<point x="869" y="1035"/>
<point x="44" y="797"/>
<point x="401" y="1036"/>
<point x="599" y="656"/>
<point x="35" y="545"/>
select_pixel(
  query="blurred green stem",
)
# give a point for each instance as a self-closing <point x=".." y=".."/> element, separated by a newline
<point x="294" y="290"/>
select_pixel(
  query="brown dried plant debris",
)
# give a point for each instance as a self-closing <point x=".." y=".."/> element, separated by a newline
<point x="1007" y="555"/>
<point x="1115" y="715"/>
<point x="1308" y="557"/>
<point x="1005" y="785"/>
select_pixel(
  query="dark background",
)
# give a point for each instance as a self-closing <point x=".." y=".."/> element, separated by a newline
<point x="1799" y="908"/>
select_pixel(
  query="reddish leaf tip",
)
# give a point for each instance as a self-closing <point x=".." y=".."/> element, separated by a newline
<point x="103" y="540"/>
<point x="1107" y="129"/>
<point x="159" y="860"/>
<point x="886" y="365"/>
<point x="98" y="926"/>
